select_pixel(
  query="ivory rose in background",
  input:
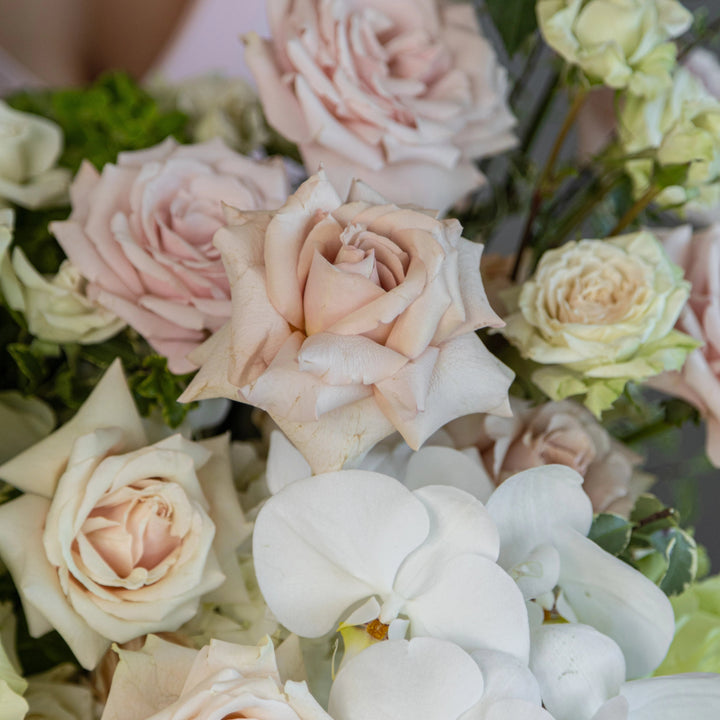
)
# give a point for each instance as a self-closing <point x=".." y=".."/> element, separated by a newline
<point x="621" y="43"/>
<point x="681" y="126"/>
<point x="141" y="234"/>
<point x="351" y="320"/>
<point x="29" y="150"/>
<point x="698" y="381"/>
<point x="405" y="94"/>
<point x="114" y="538"/>
<point x="56" y="308"/>
<point x="601" y="312"/>
<point x="164" y="681"/>
<point x="562" y="433"/>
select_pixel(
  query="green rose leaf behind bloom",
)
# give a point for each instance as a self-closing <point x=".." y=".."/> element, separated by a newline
<point x="514" y="19"/>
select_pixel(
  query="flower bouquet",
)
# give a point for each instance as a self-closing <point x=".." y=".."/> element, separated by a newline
<point x="333" y="402"/>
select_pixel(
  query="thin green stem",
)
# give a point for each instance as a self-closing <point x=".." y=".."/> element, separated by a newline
<point x="545" y="176"/>
<point x="637" y="207"/>
<point x="585" y="209"/>
<point x="568" y="122"/>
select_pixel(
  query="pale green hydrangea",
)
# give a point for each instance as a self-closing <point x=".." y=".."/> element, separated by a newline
<point x="599" y="313"/>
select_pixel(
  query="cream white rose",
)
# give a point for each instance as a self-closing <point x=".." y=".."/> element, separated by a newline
<point x="29" y="148"/>
<point x="621" y="43"/>
<point x="681" y="126"/>
<point x="57" y="695"/>
<point x="119" y="538"/>
<point x="601" y="312"/>
<point x="56" y="308"/>
<point x="168" y="682"/>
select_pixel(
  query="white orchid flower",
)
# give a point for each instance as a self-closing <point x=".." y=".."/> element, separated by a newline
<point x="433" y="680"/>
<point x="580" y="672"/>
<point x="543" y="517"/>
<point x="360" y="539"/>
<point x="437" y="462"/>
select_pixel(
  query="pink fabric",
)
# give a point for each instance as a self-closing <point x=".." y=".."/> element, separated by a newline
<point x="209" y="39"/>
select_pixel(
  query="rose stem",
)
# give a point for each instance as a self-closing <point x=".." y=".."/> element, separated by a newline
<point x="637" y="207"/>
<point x="545" y="176"/>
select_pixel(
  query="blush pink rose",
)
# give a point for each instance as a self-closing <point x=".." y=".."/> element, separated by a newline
<point x="403" y="93"/>
<point x="699" y="380"/>
<point x="141" y="233"/>
<point x="556" y="433"/>
<point x="352" y="320"/>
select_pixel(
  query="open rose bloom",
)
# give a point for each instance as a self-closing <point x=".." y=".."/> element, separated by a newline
<point x="141" y="234"/>
<point x="351" y="320"/>
<point x="404" y="94"/>
<point x="164" y="681"/>
<point x="114" y="538"/>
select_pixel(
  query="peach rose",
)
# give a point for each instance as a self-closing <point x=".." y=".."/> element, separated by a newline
<point x="141" y="233"/>
<point x="351" y="320"/>
<point x="405" y="94"/>
<point x="164" y="681"/>
<point x="698" y="382"/>
<point x="556" y="433"/>
<point x="119" y="538"/>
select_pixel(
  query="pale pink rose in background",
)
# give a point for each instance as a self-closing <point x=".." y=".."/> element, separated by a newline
<point x="404" y="94"/>
<point x="141" y="233"/>
<point x="114" y="538"/>
<point x="562" y="433"/>
<point x="352" y="320"/>
<point x="164" y="681"/>
<point x="699" y="380"/>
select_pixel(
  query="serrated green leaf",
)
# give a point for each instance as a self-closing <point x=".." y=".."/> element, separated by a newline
<point x="514" y="19"/>
<point x="680" y="552"/>
<point x="611" y="532"/>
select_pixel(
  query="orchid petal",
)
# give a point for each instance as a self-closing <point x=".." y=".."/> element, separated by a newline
<point x="313" y="562"/>
<point x="577" y="668"/>
<point x="405" y="680"/>
<point x="617" y="600"/>
<point x="528" y="506"/>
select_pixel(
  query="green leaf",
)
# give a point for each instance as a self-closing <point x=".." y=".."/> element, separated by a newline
<point x="680" y="551"/>
<point x="651" y="514"/>
<point x="153" y="382"/>
<point x="611" y="532"/>
<point x="669" y="175"/>
<point x="514" y="19"/>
